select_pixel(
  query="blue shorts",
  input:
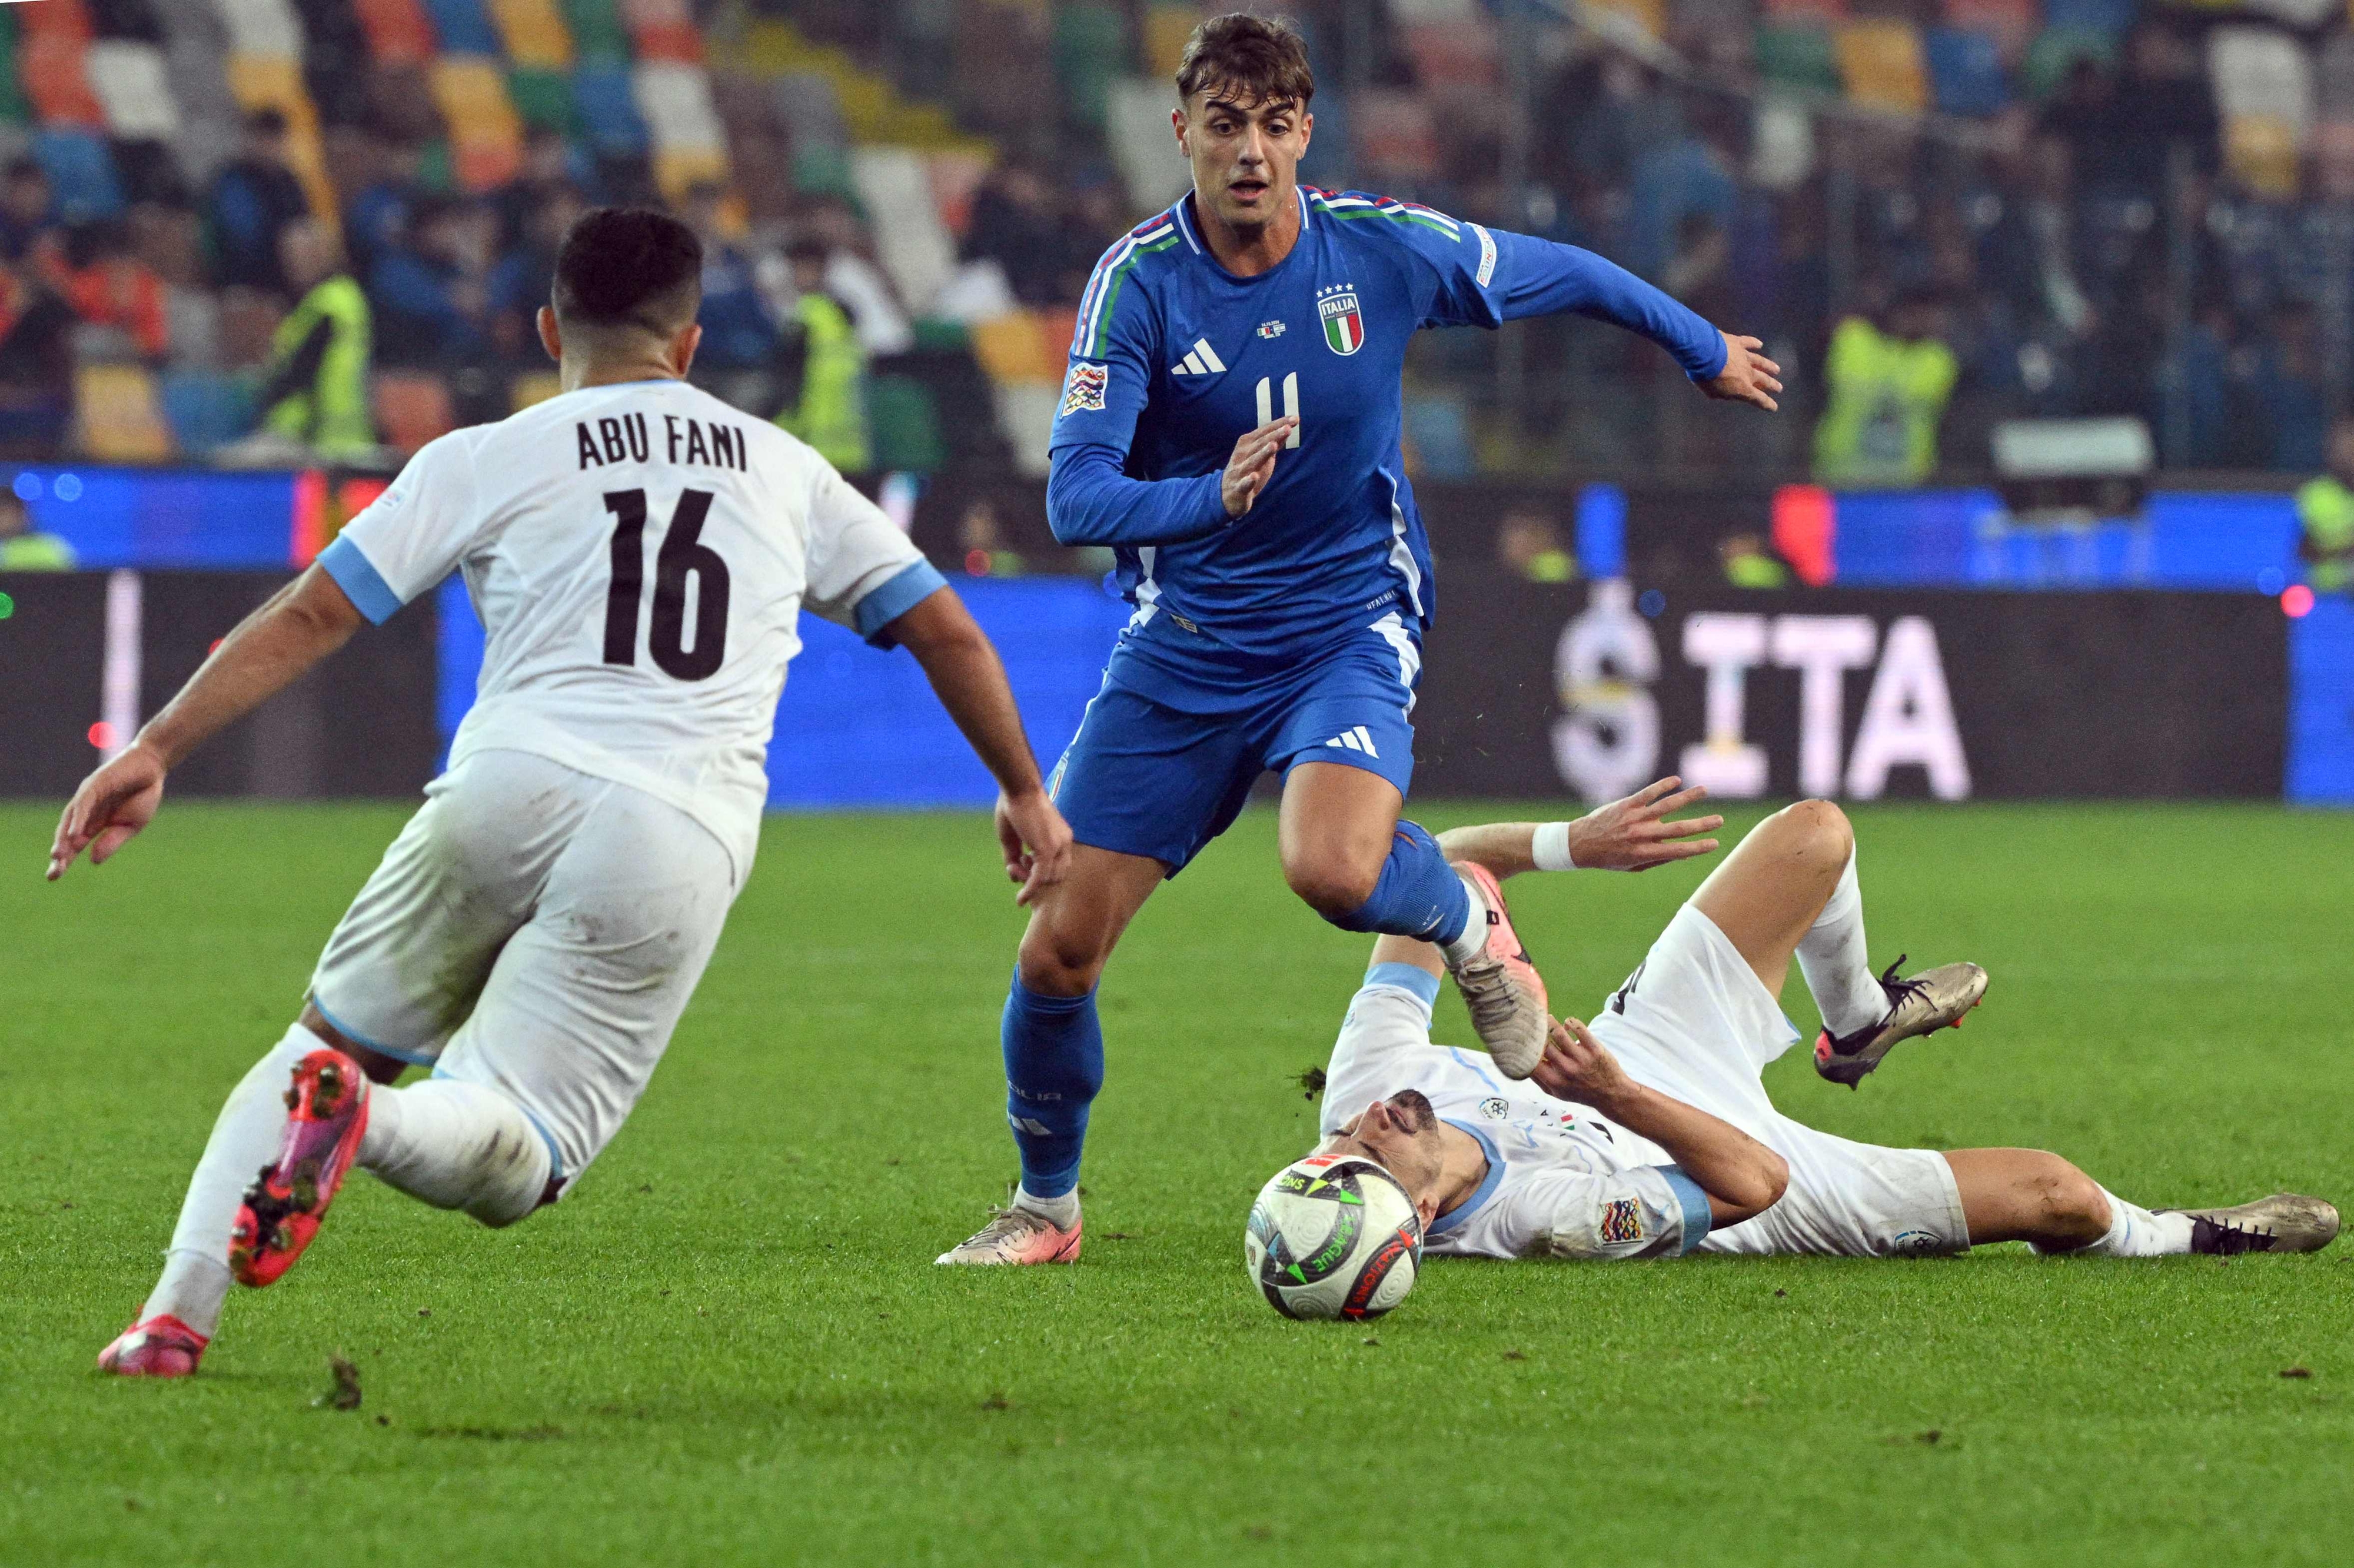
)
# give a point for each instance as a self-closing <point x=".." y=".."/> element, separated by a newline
<point x="1170" y="748"/>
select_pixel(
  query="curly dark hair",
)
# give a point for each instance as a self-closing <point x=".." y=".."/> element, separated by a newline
<point x="1254" y="59"/>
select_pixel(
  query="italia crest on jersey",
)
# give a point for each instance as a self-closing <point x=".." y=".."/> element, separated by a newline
<point x="1344" y="320"/>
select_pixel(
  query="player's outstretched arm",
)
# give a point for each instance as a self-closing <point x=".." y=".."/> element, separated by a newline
<point x="1532" y="277"/>
<point x="966" y="675"/>
<point x="1741" y="1177"/>
<point x="1632" y="834"/>
<point x="303" y="622"/>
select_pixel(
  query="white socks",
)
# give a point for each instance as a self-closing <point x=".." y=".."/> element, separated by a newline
<point x="2135" y="1232"/>
<point x="457" y="1145"/>
<point x="1063" y="1213"/>
<point x="244" y="1139"/>
<point x="1831" y="956"/>
<point x="1467" y="947"/>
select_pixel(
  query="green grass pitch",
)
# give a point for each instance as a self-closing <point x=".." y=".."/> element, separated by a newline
<point x="731" y="1345"/>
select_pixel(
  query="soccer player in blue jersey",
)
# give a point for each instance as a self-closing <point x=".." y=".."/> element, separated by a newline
<point x="1230" y="425"/>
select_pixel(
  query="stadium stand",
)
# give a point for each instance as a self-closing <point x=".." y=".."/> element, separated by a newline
<point x="1712" y="143"/>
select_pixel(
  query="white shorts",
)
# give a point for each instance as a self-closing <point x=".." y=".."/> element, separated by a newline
<point x="1694" y="1022"/>
<point x="537" y="930"/>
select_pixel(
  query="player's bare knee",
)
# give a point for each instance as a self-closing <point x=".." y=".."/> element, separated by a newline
<point x="1817" y="833"/>
<point x="2067" y="1204"/>
<point x="1329" y="884"/>
<point x="2079" y="1202"/>
<point x="1060" y="960"/>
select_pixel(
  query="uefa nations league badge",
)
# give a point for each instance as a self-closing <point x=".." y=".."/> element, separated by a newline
<point x="1344" y="323"/>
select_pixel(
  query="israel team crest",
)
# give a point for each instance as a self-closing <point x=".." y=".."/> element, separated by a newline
<point x="1344" y="320"/>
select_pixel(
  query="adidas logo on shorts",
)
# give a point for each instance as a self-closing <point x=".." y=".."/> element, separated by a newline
<point x="1355" y="739"/>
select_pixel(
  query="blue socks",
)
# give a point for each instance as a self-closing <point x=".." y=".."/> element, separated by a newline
<point x="1418" y="896"/>
<point x="1053" y="1066"/>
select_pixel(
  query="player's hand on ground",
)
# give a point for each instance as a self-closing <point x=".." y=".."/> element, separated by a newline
<point x="110" y="808"/>
<point x="1748" y="377"/>
<point x="1253" y="463"/>
<point x="1635" y="834"/>
<point x="1576" y="1066"/>
<point x="1036" y="842"/>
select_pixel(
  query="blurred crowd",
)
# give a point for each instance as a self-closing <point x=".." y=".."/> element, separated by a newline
<point x="2089" y="252"/>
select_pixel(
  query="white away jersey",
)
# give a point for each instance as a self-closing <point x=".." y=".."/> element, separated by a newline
<point x="639" y="554"/>
<point x="1560" y="1179"/>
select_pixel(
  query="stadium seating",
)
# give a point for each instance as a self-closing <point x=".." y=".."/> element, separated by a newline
<point x="2264" y="92"/>
<point x="662" y="30"/>
<point x="399" y="31"/>
<point x="81" y="172"/>
<point x="2055" y="52"/>
<point x="462" y="26"/>
<point x="1966" y="70"/>
<point x="1880" y="62"/>
<point x="486" y="132"/>
<point x="133" y="84"/>
<point x="912" y="243"/>
<point x="1091" y="51"/>
<point x="52" y="67"/>
<point x="607" y="103"/>
<point x="535" y="33"/>
<point x="597" y="34"/>
<point x="544" y="99"/>
<point x="2010" y="24"/>
<point x="261" y="28"/>
<point x="1797" y="58"/>
<point x="121" y="416"/>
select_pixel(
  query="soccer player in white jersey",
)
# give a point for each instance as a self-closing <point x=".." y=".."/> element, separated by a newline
<point x="1649" y="1134"/>
<point x="640" y="552"/>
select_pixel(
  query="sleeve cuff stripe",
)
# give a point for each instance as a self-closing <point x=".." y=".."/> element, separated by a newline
<point x="1406" y="977"/>
<point x="359" y="579"/>
<point x="896" y="596"/>
<point x="1694" y="1203"/>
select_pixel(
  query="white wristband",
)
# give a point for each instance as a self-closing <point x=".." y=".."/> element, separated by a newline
<point x="1550" y="849"/>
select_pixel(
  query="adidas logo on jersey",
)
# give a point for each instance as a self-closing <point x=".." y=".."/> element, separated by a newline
<point x="1354" y="740"/>
<point x="1203" y="360"/>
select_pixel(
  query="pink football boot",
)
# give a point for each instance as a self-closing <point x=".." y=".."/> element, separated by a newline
<point x="161" y="1346"/>
<point x="1502" y="989"/>
<point x="326" y="1113"/>
<point x="1018" y="1236"/>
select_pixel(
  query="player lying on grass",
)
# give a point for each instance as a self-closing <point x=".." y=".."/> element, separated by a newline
<point x="1231" y="426"/>
<point x="1649" y="1133"/>
<point x="640" y="552"/>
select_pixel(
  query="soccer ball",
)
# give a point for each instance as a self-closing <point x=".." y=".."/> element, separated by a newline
<point x="1333" y="1236"/>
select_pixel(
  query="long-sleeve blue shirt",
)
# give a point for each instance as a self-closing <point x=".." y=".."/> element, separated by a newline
<point x="1175" y="357"/>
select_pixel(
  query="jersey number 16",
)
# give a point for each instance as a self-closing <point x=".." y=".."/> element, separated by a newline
<point x="682" y="556"/>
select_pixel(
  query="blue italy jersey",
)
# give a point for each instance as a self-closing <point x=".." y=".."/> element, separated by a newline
<point x="1175" y="358"/>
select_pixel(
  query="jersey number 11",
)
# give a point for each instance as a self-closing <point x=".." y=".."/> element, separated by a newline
<point x="1290" y="402"/>
<point x="682" y="556"/>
